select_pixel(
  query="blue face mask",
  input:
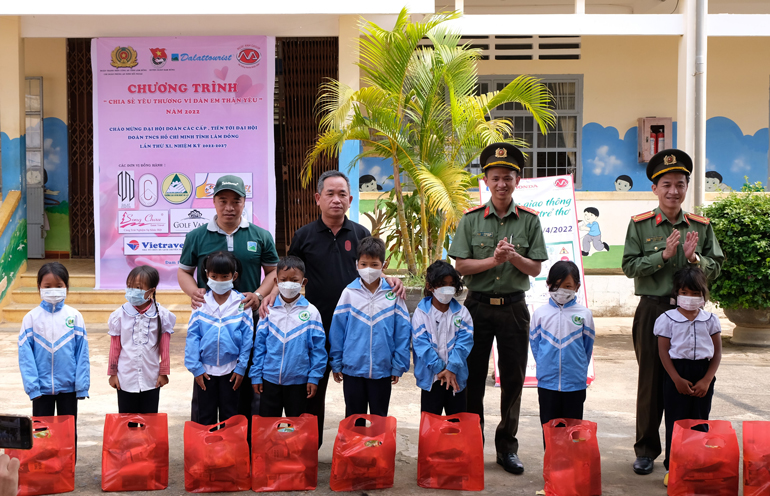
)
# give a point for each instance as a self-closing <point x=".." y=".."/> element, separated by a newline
<point x="135" y="296"/>
<point x="220" y="287"/>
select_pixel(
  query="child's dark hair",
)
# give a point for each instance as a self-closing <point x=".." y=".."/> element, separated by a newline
<point x="592" y="210"/>
<point x="221" y="262"/>
<point x="371" y="247"/>
<point x="438" y="270"/>
<point x="291" y="262"/>
<point x="55" y="268"/>
<point x="625" y="178"/>
<point x="149" y="277"/>
<point x="559" y="271"/>
<point x="691" y="278"/>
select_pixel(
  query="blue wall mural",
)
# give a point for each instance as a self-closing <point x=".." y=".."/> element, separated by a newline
<point x="610" y="162"/>
<point x="56" y="163"/>
<point x="13" y="239"/>
<point x="374" y="174"/>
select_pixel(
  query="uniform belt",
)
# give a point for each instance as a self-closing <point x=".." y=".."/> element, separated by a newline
<point x="664" y="300"/>
<point x="497" y="299"/>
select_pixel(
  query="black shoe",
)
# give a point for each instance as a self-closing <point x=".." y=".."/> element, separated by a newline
<point x="643" y="465"/>
<point x="585" y="253"/>
<point x="606" y="246"/>
<point x="511" y="463"/>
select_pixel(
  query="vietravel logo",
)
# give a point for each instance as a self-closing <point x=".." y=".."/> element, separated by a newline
<point x="152" y="245"/>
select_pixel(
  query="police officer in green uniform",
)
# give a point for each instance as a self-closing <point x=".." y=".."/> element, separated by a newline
<point x="658" y="243"/>
<point x="498" y="246"/>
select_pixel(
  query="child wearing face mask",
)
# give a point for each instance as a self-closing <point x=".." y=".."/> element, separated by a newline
<point x="690" y="348"/>
<point x="289" y="347"/>
<point x="561" y="335"/>
<point x="369" y="335"/>
<point x="53" y="349"/>
<point x="442" y="338"/>
<point x="219" y="339"/>
<point x="140" y="330"/>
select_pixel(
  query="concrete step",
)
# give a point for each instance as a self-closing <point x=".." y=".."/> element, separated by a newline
<point x="77" y="296"/>
<point x="29" y="280"/>
<point x="92" y="313"/>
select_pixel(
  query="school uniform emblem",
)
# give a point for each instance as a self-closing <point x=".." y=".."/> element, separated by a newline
<point x="391" y="295"/>
<point x="577" y="320"/>
<point x="241" y="307"/>
<point x="251" y="246"/>
<point x="70" y="322"/>
<point x="458" y="322"/>
<point x="304" y="316"/>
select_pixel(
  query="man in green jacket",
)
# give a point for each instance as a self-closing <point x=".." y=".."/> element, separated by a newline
<point x="658" y="243"/>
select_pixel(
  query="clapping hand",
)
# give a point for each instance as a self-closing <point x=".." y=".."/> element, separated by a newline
<point x="672" y="243"/>
<point x="690" y="244"/>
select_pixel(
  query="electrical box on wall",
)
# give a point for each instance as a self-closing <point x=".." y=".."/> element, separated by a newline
<point x="655" y="134"/>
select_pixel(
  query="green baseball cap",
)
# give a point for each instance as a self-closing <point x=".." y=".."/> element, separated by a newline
<point x="233" y="183"/>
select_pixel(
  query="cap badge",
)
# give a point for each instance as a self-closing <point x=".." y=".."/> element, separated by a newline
<point x="501" y="153"/>
<point x="669" y="160"/>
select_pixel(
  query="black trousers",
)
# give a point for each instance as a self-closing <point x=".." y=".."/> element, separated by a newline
<point x="218" y="402"/>
<point x="63" y="403"/>
<point x="560" y="404"/>
<point x="361" y="393"/>
<point x="510" y="325"/>
<point x="317" y="404"/>
<point x="649" y="390"/>
<point x="680" y="406"/>
<point x="276" y="398"/>
<point x="439" y="399"/>
<point x="142" y="402"/>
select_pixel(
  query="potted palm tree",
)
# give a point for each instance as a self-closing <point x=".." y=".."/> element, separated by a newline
<point x="741" y="222"/>
<point x="419" y="108"/>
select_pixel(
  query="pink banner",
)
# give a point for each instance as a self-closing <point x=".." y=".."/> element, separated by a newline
<point x="171" y="115"/>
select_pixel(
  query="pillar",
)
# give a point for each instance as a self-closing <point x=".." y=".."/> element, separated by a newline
<point x="350" y="75"/>
<point x="12" y="108"/>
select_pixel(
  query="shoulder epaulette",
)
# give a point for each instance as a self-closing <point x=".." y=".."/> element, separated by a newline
<point x="699" y="219"/>
<point x="474" y="209"/>
<point x="644" y="216"/>
<point x="527" y="209"/>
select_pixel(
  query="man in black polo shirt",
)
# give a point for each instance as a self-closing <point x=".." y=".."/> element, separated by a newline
<point x="328" y="247"/>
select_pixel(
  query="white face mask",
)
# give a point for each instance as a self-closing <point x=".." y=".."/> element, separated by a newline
<point x="369" y="275"/>
<point x="690" y="302"/>
<point x="220" y="287"/>
<point x="562" y="296"/>
<point x="444" y="294"/>
<point x="53" y="295"/>
<point x="289" y="289"/>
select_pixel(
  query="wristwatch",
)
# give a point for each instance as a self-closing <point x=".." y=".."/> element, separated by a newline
<point x="697" y="259"/>
<point x="259" y="296"/>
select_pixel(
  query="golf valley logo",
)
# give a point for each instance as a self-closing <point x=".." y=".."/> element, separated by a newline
<point x="248" y="56"/>
<point x="151" y="245"/>
<point x="123" y="57"/>
<point x="176" y="188"/>
<point x="142" y="221"/>
<point x="184" y="220"/>
<point x="159" y="57"/>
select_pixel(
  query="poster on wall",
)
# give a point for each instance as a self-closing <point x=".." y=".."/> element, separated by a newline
<point x="554" y="198"/>
<point x="172" y="115"/>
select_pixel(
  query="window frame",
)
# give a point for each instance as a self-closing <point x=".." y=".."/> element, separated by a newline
<point x="493" y="79"/>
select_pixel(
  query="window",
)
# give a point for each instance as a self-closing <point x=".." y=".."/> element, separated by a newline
<point x="557" y="152"/>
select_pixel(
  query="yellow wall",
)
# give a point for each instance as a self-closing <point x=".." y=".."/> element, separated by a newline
<point x="47" y="57"/>
<point x="624" y="77"/>
<point x="738" y="83"/>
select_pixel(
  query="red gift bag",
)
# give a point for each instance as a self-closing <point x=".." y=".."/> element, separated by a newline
<point x="703" y="462"/>
<point x="572" y="464"/>
<point x="135" y="452"/>
<point x="49" y="467"/>
<point x="451" y="452"/>
<point x="364" y="455"/>
<point x="756" y="458"/>
<point x="284" y="453"/>
<point x="216" y="457"/>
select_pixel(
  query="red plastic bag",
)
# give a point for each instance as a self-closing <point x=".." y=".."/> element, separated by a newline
<point x="756" y="458"/>
<point x="49" y="467"/>
<point x="135" y="452"/>
<point x="216" y="457"/>
<point x="284" y="453"/>
<point x="572" y="463"/>
<point x="364" y="456"/>
<point x="451" y="452"/>
<point x="703" y="462"/>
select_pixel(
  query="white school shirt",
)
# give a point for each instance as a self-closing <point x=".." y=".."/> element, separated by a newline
<point x="139" y="361"/>
<point x="219" y="311"/>
<point x="690" y="340"/>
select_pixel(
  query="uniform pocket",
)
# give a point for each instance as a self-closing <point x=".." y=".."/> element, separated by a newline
<point x="521" y="245"/>
<point x="654" y="247"/>
<point x="482" y="246"/>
